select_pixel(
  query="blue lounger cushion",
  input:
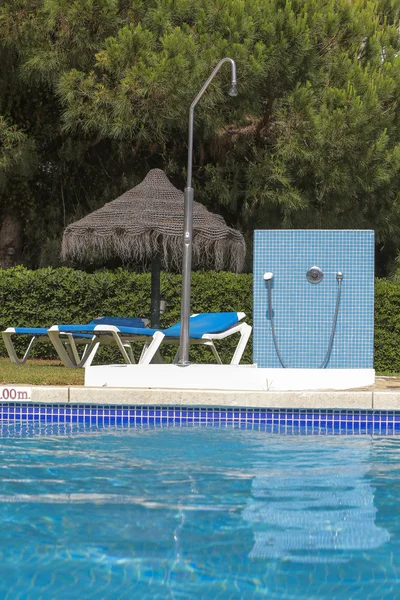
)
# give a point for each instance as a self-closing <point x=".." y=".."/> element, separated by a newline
<point x="42" y="331"/>
<point x="199" y="325"/>
<point x="204" y="323"/>
<point x="117" y="321"/>
<point x="89" y="328"/>
<point x="31" y="330"/>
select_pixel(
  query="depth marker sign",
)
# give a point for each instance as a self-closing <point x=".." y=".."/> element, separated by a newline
<point x="15" y="394"/>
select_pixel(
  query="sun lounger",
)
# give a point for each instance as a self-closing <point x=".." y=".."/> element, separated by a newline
<point x="204" y="329"/>
<point x="69" y="341"/>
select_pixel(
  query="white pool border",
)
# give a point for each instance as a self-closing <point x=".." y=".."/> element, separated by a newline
<point x="352" y="399"/>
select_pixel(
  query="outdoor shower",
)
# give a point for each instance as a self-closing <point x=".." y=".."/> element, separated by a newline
<point x="305" y="267"/>
<point x="183" y="351"/>
<point x="314" y="275"/>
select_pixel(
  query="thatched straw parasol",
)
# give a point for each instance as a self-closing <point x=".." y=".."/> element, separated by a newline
<point x="146" y="223"/>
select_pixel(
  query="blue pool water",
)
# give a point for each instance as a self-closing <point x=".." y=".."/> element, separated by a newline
<point x="194" y="513"/>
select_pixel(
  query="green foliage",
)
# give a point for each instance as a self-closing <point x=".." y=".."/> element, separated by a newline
<point x="312" y="139"/>
<point x="16" y="153"/>
<point x="102" y="88"/>
<point x="47" y="296"/>
<point x="387" y="326"/>
<point x="39" y="41"/>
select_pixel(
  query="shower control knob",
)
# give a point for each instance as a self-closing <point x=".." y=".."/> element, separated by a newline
<point x="314" y="275"/>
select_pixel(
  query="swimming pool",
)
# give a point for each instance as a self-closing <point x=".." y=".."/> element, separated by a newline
<point x="196" y="512"/>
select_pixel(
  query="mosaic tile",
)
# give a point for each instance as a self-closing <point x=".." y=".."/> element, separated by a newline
<point x="286" y="421"/>
<point x="303" y="312"/>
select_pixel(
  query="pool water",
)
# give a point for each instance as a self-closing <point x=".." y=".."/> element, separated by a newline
<point x="194" y="513"/>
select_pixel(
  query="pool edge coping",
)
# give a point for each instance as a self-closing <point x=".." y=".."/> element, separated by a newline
<point x="324" y="399"/>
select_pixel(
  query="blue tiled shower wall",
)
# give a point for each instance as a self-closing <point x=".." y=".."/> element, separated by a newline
<point x="15" y="418"/>
<point x="303" y="312"/>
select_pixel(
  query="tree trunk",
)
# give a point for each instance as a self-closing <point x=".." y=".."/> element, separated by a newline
<point x="10" y="241"/>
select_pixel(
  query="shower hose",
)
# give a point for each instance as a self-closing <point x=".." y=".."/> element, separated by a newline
<point x="339" y="278"/>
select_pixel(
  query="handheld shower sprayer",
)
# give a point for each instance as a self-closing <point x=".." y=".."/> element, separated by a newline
<point x="314" y="275"/>
<point x="268" y="278"/>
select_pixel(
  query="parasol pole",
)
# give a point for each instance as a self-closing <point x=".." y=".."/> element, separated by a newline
<point x="188" y="219"/>
<point x="155" y="292"/>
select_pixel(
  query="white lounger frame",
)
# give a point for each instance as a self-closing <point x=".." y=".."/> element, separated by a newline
<point x="76" y="362"/>
<point x="109" y="334"/>
<point x="69" y="355"/>
<point x="206" y="340"/>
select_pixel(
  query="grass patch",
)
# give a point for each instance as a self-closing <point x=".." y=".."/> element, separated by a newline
<point x="387" y="374"/>
<point x="40" y="372"/>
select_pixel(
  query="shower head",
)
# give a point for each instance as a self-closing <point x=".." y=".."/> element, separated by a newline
<point x="339" y="276"/>
<point x="233" y="90"/>
<point x="268" y="276"/>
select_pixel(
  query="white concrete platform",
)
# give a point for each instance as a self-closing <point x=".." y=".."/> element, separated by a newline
<point x="226" y="377"/>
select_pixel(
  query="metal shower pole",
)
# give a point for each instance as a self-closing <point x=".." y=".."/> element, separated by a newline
<point x="188" y="220"/>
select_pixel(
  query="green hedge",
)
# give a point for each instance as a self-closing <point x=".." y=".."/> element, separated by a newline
<point x="48" y="296"/>
<point x="387" y="326"/>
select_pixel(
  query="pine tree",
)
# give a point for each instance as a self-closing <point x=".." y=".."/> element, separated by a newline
<point x="312" y="140"/>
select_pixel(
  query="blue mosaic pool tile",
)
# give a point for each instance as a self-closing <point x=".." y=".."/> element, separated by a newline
<point x="303" y="312"/>
<point x="288" y="421"/>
